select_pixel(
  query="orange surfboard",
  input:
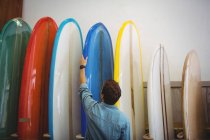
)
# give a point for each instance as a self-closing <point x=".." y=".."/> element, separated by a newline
<point x="33" y="106"/>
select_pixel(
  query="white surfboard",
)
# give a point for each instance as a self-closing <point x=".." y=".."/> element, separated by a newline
<point x="128" y="73"/>
<point x="64" y="82"/>
<point x="159" y="98"/>
<point x="192" y="105"/>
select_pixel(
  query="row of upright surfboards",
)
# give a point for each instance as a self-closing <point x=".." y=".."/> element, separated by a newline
<point x="39" y="81"/>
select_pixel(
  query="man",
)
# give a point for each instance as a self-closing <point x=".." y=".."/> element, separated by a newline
<point x="104" y="120"/>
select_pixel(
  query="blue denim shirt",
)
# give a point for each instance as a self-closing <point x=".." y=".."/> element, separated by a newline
<point x="104" y="122"/>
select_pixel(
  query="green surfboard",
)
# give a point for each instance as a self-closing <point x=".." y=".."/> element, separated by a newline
<point x="13" y="42"/>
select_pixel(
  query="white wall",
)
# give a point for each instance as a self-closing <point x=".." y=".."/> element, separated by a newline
<point x="180" y="25"/>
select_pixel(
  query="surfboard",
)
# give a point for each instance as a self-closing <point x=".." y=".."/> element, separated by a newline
<point x="159" y="98"/>
<point x="13" y="43"/>
<point x="128" y="73"/>
<point x="98" y="48"/>
<point x="192" y="104"/>
<point x="33" y="107"/>
<point x="64" y="100"/>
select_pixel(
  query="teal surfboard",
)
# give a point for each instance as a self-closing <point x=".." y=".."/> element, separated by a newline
<point x="13" y="42"/>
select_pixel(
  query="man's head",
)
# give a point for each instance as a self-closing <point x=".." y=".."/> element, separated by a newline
<point x="111" y="92"/>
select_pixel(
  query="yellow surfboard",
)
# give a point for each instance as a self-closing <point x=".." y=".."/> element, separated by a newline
<point x="128" y="73"/>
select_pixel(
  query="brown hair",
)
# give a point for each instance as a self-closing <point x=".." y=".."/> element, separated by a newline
<point x="111" y="91"/>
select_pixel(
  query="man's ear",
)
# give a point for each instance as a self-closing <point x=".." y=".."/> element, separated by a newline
<point x="102" y="97"/>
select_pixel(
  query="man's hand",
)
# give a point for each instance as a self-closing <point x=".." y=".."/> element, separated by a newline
<point x="83" y="62"/>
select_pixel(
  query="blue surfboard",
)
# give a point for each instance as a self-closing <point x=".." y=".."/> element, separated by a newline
<point x="100" y="64"/>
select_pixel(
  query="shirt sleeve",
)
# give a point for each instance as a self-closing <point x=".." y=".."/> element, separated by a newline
<point x="86" y="97"/>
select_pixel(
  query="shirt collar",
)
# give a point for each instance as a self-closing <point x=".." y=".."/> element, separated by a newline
<point x="109" y="106"/>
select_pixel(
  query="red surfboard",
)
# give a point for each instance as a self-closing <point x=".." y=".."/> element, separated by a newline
<point x="33" y="106"/>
